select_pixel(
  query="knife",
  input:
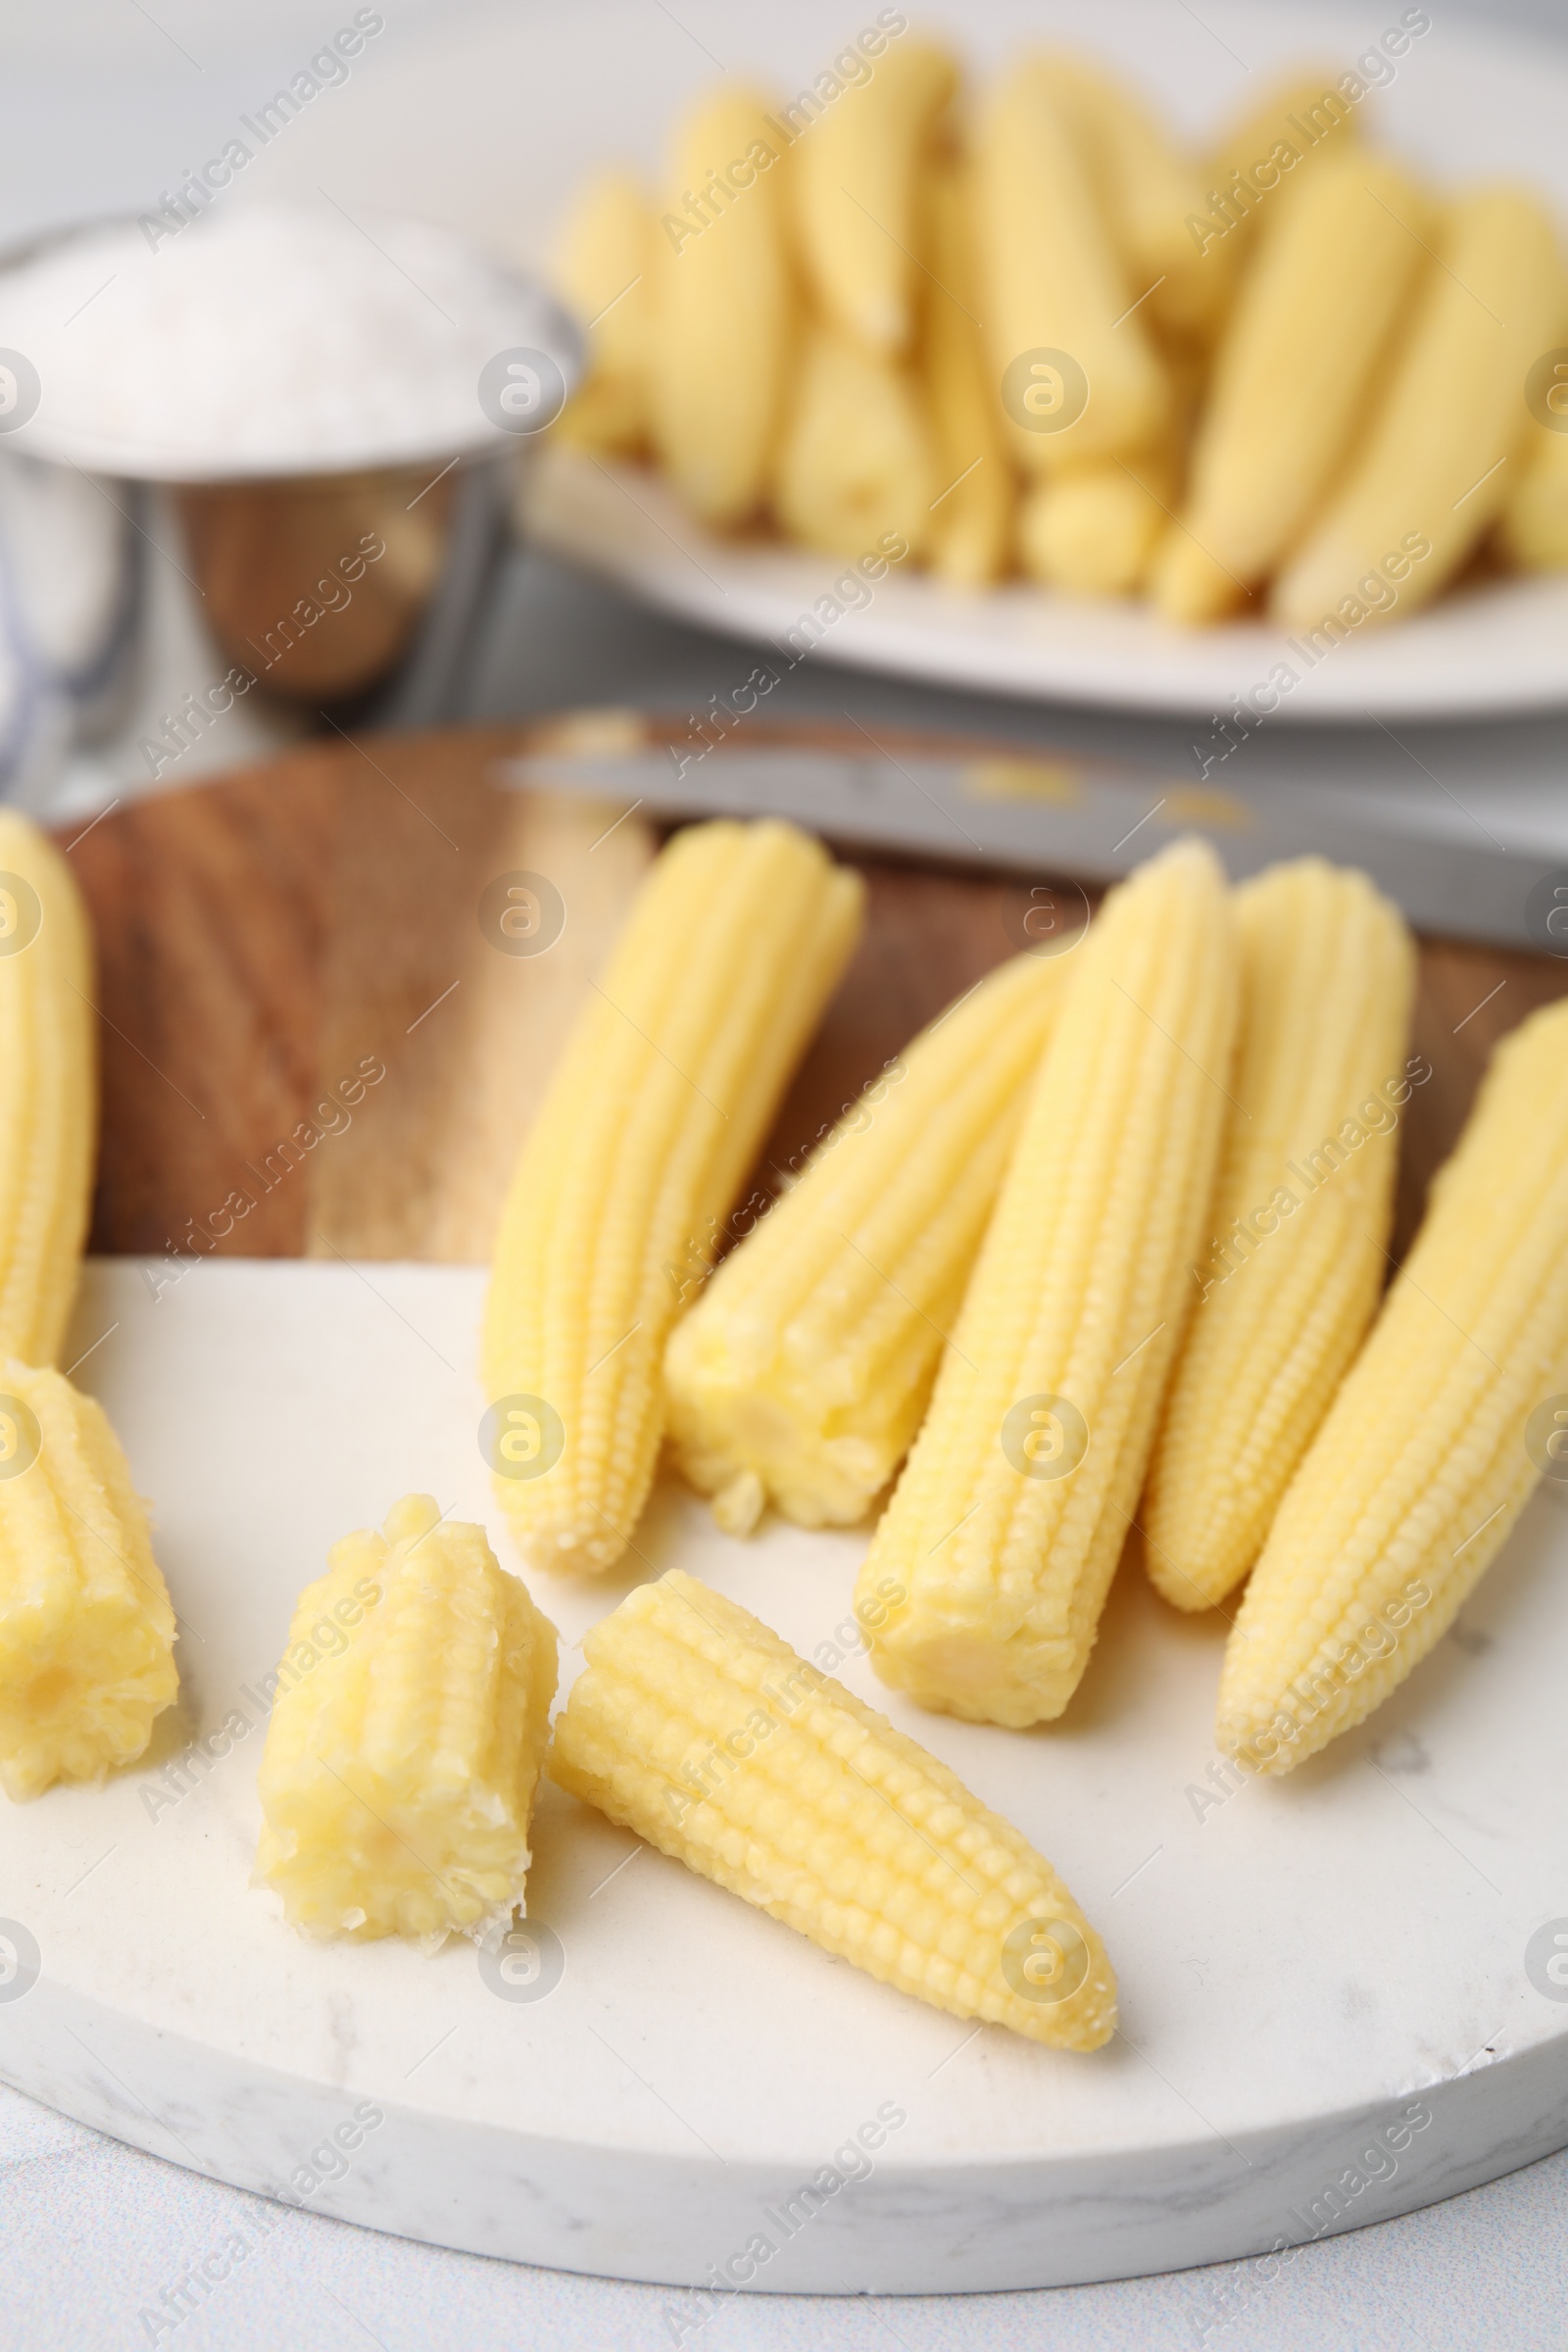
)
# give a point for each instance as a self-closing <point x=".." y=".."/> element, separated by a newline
<point x="1068" y="816"/>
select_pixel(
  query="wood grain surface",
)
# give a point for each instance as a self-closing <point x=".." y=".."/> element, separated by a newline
<point x="316" y="1038"/>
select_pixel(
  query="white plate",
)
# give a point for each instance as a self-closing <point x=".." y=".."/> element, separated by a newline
<point x="1500" y="649"/>
<point x="1301" y="1965"/>
<point x="492" y="125"/>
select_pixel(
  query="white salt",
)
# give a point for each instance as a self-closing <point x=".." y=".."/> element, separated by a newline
<point x="266" y="340"/>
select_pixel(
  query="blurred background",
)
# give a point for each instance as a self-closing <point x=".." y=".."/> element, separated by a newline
<point x="486" y="120"/>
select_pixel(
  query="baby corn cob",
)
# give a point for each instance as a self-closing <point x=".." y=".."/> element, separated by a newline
<point x="1534" y="529"/>
<point x="603" y="268"/>
<point x="1258" y="173"/>
<point x="1004" y="1530"/>
<point x="1291" y="380"/>
<point x="722" y="308"/>
<point x="855" y="188"/>
<point x="972" y="510"/>
<point x="403" y="1751"/>
<point x="1091" y="532"/>
<point x="1442" y="458"/>
<point x="1053" y="280"/>
<point x="662" y="1094"/>
<point x="86" y="1631"/>
<point x="857" y="461"/>
<point x="1420" y="1470"/>
<point x="48" y="1091"/>
<point x="702" y="1731"/>
<point x="802" y="1374"/>
<point x="1300" y="1219"/>
<point x="1150" y="193"/>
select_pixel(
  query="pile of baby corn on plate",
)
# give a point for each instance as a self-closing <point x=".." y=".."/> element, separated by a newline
<point x="1029" y="331"/>
<point x="1096" y="1264"/>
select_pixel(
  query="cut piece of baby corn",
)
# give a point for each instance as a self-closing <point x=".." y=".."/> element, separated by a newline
<point x="972" y="506"/>
<point x="801" y="1375"/>
<point x="1294" y="1260"/>
<point x="1091" y="532"/>
<point x="1293" y="378"/>
<point x="1433" y="1443"/>
<point x="48" y="1091"/>
<point x="1442" y="457"/>
<point x="857" y="463"/>
<point x="855" y="188"/>
<point x="405" y="1744"/>
<point x="86" y="1631"/>
<point x="722" y="310"/>
<point x="1004" y="1530"/>
<point x="695" y="1727"/>
<point x="1052" y="281"/>
<point x="1534" y="528"/>
<point x="662" y="1094"/>
<point x="602" y="268"/>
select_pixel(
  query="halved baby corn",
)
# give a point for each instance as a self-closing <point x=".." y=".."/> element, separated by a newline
<point x="1093" y="531"/>
<point x="856" y="186"/>
<point x="662" y="1094"/>
<point x="1427" y="1455"/>
<point x="404" y="1752"/>
<point x="48" y="1091"/>
<point x="1292" y="1274"/>
<point x="856" y="459"/>
<point x="801" y="1373"/>
<point x="1004" y="1530"/>
<point x="86" y="1631"/>
<point x="1444" y="451"/>
<point x="1293" y="378"/>
<point x="695" y="1727"/>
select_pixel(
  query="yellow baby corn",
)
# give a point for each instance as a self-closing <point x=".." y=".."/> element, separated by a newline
<point x="1293" y="378"/>
<point x="802" y="1374"/>
<point x="857" y="461"/>
<point x="1052" y="280"/>
<point x="1434" y="1440"/>
<point x="702" y="1731"/>
<point x="1534" y="526"/>
<point x="854" y="186"/>
<point x="604" y="269"/>
<point x="86" y="1631"/>
<point x="662" y="1094"/>
<point x="722" y="320"/>
<point x="1294" y="1260"/>
<point x="404" y="1750"/>
<point x="1004" y="1530"/>
<point x="1442" y="457"/>
<point x="971" y="509"/>
<point x="1091" y="532"/>
<point x="1151" y="194"/>
<point x="48" y="1091"/>
<point x="1258" y="173"/>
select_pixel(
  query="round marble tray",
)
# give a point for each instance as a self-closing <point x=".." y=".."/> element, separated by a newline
<point x="1337" y="1994"/>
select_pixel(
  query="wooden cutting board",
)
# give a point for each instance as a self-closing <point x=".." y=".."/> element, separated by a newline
<point x="269" y="941"/>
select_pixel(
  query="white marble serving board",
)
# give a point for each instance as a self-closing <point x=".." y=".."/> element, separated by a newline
<point x="1299" y="1964"/>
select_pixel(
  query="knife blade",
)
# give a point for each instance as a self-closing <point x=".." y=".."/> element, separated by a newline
<point x="1068" y="816"/>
